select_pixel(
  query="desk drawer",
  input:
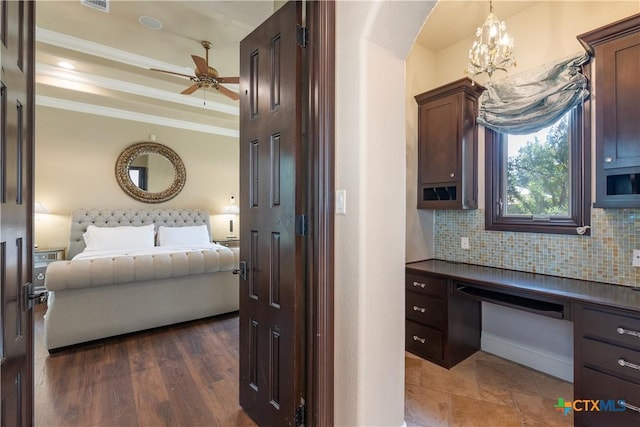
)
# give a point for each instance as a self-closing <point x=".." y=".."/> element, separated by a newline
<point x="426" y="284"/>
<point x="611" y="327"/>
<point x="599" y="386"/>
<point x="425" y="309"/>
<point x="617" y="360"/>
<point x="424" y="341"/>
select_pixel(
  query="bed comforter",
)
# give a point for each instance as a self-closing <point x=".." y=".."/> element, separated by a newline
<point x="103" y="294"/>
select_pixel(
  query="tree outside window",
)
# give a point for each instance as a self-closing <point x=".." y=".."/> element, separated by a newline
<point x="538" y="172"/>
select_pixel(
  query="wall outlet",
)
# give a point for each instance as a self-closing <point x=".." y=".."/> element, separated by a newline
<point x="636" y="258"/>
<point x="464" y="242"/>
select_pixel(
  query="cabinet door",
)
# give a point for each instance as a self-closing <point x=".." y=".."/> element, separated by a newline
<point x="438" y="156"/>
<point x="618" y="127"/>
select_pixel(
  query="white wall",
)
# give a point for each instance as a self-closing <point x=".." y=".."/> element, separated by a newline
<point x="75" y="162"/>
<point x="542" y="34"/>
<point x="372" y="41"/>
<point x="419" y="244"/>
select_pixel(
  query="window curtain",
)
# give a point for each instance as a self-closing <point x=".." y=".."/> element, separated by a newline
<point x="530" y="101"/>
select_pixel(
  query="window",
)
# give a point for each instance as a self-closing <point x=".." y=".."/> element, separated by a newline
<point x="540" y="182"/>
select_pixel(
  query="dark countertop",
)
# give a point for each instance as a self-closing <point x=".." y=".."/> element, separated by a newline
<point x="624" y="297"/>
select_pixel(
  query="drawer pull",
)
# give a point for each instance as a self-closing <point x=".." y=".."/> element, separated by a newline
<point x="626" y="364"/>
<point x="418" y="285"/>
<point x="420" y="309"/>
<point x="623" y="331"/>
<point x="629" y="406"/>
<point x="417" y="338"/>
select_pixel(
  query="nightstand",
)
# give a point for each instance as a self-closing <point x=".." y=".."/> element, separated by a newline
<point x="230" y="243"/>
<point x="41" y="258"/>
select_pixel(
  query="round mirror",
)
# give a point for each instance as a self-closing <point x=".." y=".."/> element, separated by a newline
<point x="150" y="172"/>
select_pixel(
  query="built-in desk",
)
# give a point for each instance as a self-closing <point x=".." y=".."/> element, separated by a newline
<point x="443" y="314"/>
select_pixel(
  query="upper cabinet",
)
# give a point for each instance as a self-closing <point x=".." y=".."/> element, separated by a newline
<point x="448" y="146"/>
<point x="616" y="49"/>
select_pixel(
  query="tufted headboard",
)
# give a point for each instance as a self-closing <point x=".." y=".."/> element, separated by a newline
<point x="82" y="218"/>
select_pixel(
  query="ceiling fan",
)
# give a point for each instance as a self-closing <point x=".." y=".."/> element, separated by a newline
<point x="205" y="76"/>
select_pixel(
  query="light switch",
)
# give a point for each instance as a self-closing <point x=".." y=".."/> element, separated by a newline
<point x="341" y="202"/>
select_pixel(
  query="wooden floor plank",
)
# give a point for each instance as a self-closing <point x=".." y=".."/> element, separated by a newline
<point x="180" y="375"/>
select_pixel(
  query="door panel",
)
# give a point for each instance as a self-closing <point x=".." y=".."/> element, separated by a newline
<point x="16" y="201"/>
<point x="272" y="183"/>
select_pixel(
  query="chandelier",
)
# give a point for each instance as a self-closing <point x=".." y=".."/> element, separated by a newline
<point x="493" y="48"/>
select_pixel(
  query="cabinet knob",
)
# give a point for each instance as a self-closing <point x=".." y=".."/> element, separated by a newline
<point x="608" y="159"/>
<point x="452" y="175"/>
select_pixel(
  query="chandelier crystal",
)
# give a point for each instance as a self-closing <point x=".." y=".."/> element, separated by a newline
<point x="493" y="49"/>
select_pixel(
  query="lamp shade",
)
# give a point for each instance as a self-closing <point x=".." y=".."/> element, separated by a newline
<point x="231" y="210"/>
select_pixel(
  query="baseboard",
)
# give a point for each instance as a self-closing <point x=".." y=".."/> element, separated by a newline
<point x="550" y="363"/>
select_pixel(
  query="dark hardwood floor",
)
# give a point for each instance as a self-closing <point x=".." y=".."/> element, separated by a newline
<point x="182" y="375"/>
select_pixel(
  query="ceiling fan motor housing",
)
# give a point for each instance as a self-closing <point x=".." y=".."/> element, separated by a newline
<point x="213" y="73"/>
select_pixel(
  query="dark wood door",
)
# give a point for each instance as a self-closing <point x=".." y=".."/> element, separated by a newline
<point x="16" y="247"/>
<point x="272" y="187"/>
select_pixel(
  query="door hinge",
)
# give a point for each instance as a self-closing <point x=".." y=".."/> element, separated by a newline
<point x="302" y="225"/>
<point x="301" y="415"/>
<point x="302" y="35"/>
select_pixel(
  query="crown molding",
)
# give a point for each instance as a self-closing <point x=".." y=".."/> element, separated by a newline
<point x="80" y="107"/>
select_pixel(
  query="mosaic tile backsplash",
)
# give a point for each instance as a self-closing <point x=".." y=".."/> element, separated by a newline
<point x="605" y="256"/>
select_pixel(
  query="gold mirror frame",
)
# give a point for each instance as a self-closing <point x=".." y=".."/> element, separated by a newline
<point x="131" y="153"/>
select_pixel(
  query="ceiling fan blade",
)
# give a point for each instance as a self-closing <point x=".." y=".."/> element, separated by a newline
<point x="201" y="65"/>
<point x="171" y="72"/>
<point x="228" y="79"/>
<point x="190" y="89"/>
<point x="228" y="92"/>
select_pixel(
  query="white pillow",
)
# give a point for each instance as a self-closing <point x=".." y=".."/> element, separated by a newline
<point x="181" y="236"/>
<point x="125" y="237"/>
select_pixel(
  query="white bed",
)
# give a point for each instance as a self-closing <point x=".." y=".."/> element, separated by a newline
<point x="106" y="291"/>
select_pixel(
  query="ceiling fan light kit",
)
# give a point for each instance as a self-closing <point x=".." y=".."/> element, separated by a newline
<point x="205" y="76"/>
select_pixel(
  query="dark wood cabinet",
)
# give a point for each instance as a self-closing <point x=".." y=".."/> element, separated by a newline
<point x="448" y="146"/>
<point x="606" y="322"/>
<point x="607" y="365"/>
<point x="440" y="326"/>
<point x="616" y="49"/>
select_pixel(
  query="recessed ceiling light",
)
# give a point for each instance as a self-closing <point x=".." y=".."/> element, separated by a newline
<point x="66" y="65"/>
<point x="150" y="22"/>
